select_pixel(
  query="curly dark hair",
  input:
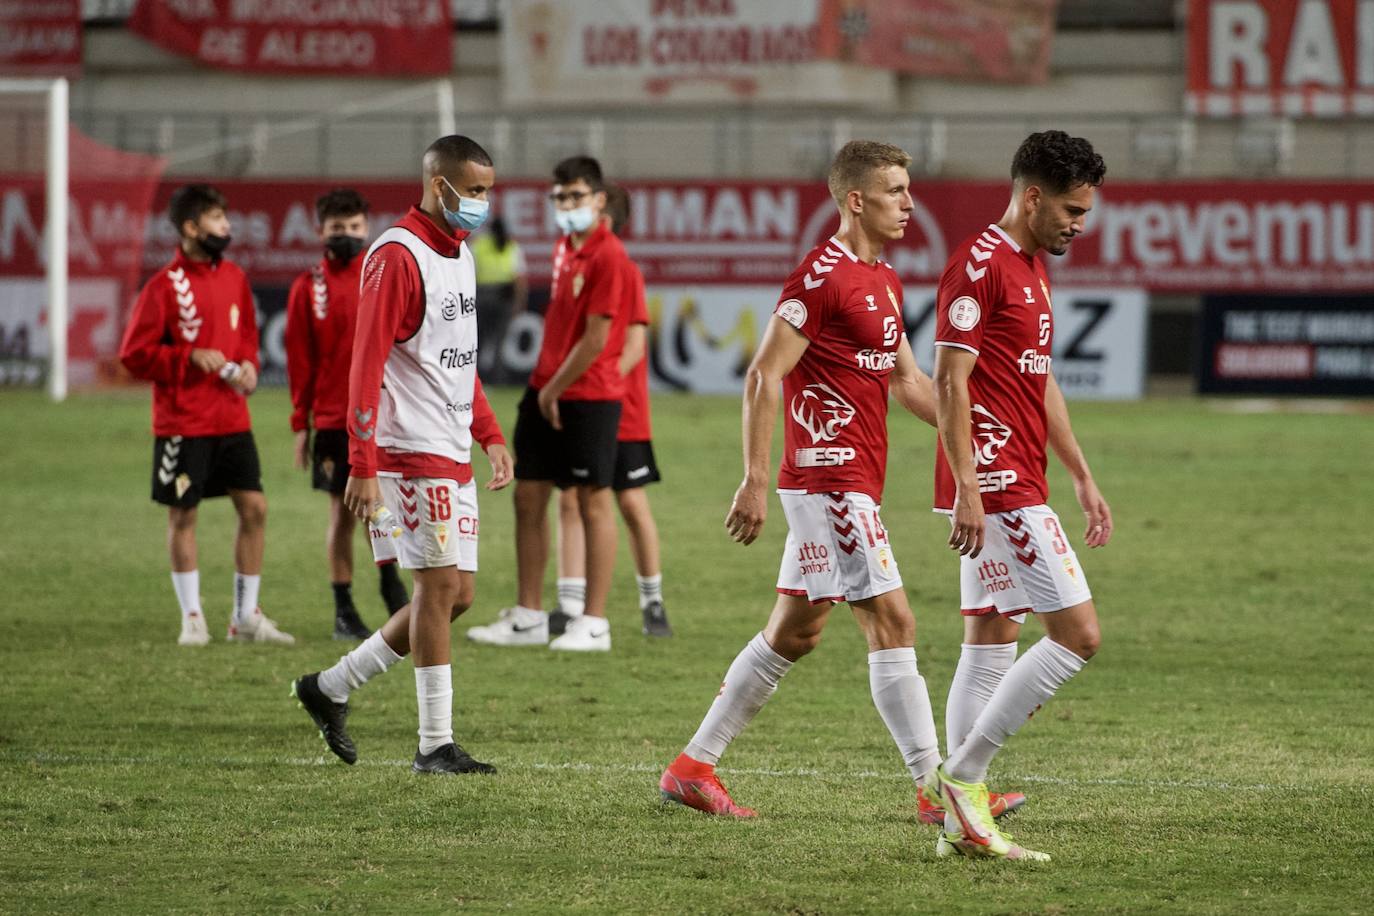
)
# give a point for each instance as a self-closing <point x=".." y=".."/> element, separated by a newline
<point x="1057" y="162"/>
<point x="344" y="202"/>
<point x="192" y="201"/>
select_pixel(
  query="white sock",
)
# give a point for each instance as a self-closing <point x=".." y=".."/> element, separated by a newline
<point x="187" y="587"/>
<point x="750" y="681"/>
<point x="522" y="611"/>
<point x="572" y="595"/>
<point x="358" y="667"/>
<point x="980" y="670"/>
<point x="434" y="691"/>
<point x="900" y="694"/>
<point x="1037" y="675"/>
<point x="245" y="595"/>
<point x="650" y="589"/>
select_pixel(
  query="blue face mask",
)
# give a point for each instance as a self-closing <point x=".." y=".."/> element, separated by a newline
<point x="471" y="212"/>
<point x="579" y="220"/>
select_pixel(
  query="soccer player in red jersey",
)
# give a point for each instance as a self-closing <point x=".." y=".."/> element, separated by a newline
<point x="635" y="465"/>
<point x="193" y="333"/>
<point x="566" y="427"/>
<point x="998" y="407"/>
<point x="321" y="311"/>
<point x="835" y="345"/>
<point x="415" y="407"/>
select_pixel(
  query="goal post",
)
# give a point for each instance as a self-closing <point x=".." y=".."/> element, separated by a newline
<point x="55" y="221"/>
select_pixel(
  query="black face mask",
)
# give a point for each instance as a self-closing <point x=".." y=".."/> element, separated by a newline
<point x="214" y="245"/>
<point x="344" y="248"/>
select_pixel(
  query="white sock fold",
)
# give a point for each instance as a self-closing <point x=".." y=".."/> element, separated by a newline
<point x="245" y="594"/>
<point x="434" y="691"/>
<point x="187" y="587"/>
<point x="903" y="701"/>
<point x="980" y="670"/>
<point x="749" y="682"/>
<point x="356" y="668"/>
<point x="572" y="595"/>
<point x="1033" y="679"/>
<point x="650" y="589"/>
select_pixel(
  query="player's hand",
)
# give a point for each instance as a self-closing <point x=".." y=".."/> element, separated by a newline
<point x="362" y="495"/>
<point x="302" y="449"/>
<point x="1099" y="529"/>
<point x="548" y="406"/>
<point x="208" y="361"/>
<point x="247" y="382"/>
<point x="967" y="534"/>
<point x="747" y="512"/>
<point x="502" y="466"/>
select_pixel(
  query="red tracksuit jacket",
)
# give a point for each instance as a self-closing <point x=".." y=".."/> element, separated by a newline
<point x="321" y="311"/>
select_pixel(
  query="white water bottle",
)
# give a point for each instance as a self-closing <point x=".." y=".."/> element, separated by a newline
<point x="230" y="372"/>
<point x="382" y="519"/>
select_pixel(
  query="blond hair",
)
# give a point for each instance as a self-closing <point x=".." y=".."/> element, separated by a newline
<point x="856" y="160"/>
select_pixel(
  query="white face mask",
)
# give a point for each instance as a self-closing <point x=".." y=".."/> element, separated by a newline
<point x="579" y="220"/>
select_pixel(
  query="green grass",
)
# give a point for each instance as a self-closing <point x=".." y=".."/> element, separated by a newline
<point x="1216" y="757"/>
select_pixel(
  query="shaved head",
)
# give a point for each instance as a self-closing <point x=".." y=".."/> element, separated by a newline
<point x="447" y="155"/>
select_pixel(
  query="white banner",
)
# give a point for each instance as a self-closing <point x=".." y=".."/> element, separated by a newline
<point x="654" y="51"/>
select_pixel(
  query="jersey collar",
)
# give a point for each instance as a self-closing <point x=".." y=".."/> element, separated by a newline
<point x="419" y="223"/>
<point x="834" y="240"/>
<point x="1007" y="238"/>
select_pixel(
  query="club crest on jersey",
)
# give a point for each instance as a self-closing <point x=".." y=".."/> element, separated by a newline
<point x="964" y="313"/>
<point x="821" y="411"/>
<point x="793" y="311"/>
<point x="892" y="297"/>
<point x="234" y="316"/>
<point x="1046" y="290"/>
<point x="578" y="282"/>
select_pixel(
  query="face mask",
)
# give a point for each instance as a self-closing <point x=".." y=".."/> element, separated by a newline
<point x="214" y="245"/>
<point x="471" y="212"/>
<point x="579" y="220"/>
<point x="344" y="248"/>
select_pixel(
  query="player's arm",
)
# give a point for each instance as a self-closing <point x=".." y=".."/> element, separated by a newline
<point x="390" y="293"/>
<point x="144" y="350"/>
<point x="1065" y="445"/>
<point x="246" y="353"/>
<point x="579" y="359"/>
<point x="781" y="348"/>
<point x="912" y="388"/>
<point x="953" y="366"/>
<point x="636" y="336"/>
<point x="487" y="431"/>
<point x="301" y="365"/>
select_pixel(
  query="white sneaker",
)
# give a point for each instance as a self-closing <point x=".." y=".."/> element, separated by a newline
<point x="258" y="628"/>
<point x="513" y="627"/>
<point x="585" y="634"/>
<point x="194" y="632"/>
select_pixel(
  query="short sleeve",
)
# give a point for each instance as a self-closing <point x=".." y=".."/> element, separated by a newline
<point x="962" y="305"/>
<point x="603" y="286"/>
<point x="634" y="280"/>
<point x="805" y="302"/>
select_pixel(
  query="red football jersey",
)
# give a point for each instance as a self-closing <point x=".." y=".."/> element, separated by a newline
<point x="835" y="398"/>
<point x="192" y="305"/>
<point x="321" y="311"/>
<point x="634" y="407"/>
<point x="994" y="301"/>
<point x="586" y="281"/>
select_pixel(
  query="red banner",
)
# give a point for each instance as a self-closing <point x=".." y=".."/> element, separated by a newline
<point x="40" y="38"/>
<point x="1277" y="57"/>
<point x="352" y="37"/>
<point x="999" y="40"/>
<point x="1178" y="237"/>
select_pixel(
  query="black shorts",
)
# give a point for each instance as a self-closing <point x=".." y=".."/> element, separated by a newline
<point x="329" y="460"/>
<point x="635" y="465"/>
<point x="189" y="469"/>
<point x="582" y="453"/>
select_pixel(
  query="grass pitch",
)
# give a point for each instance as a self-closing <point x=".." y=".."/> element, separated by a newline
<point x="1216" y="757"/>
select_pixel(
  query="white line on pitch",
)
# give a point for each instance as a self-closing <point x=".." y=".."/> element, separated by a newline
<point x="644" y="768"/>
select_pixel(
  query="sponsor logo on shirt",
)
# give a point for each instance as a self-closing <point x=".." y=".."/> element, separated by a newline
<point x="1033" y="363"/>
<point x="452" y="305"/>
<point x="964" y="313"/>
<point x="876" y="360"/>
<point x="464" y="407"/>
<point x="822" y="457"/>
<point x="453" y="358"/>
<point x="793" y="312"/>
<point x="989" y="434"/>
<point x="821" y="411"/>
<point x="995" y="481"/>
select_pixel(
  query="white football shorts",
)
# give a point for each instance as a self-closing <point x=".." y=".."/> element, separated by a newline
<point x="1026" y="565"/>
<point x="837" y="548"/>
<point x="438" y="522"/>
